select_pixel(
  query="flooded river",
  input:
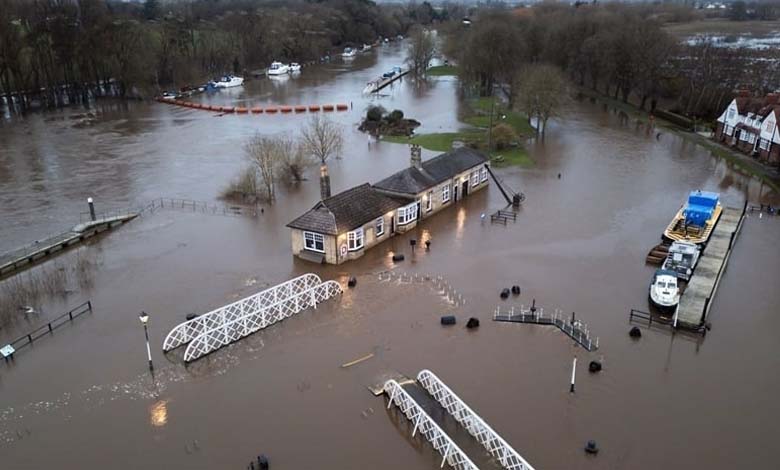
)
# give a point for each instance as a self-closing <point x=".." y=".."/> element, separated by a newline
<point x="84" y="398"/>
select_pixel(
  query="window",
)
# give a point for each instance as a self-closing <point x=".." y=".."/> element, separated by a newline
<point x="445" y="193"/>
<point x="355" y="239"/>
<point x="429" y="201"/>
<point x="744" y="136"/>
<point x="729" y="130"/>
<point x="764" y="144"/>
<point x="483" y="175"/>
<point x="474" y="178"/>
<point x="314" y="241"/>
<point x="731" y="114"/>
<point x="407" y="214"/>
<point x="380" y="226"/>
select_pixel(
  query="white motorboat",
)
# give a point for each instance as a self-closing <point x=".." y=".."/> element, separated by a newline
<point x="366" y="48"/>
<point x="295" y="67"/>
<point x="278" y="68"/>
<point x="682" y="259"/>
<point x="167" y="95"/>
<point x="229" y="81"/>
<point x="348" y="52"/>
<point x="664" y="290"/>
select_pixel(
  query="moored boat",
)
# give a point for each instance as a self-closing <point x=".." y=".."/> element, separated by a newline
<point x="278" y="68"/>
<point x="295" y="67"/>
<point x="682" y="259"/>
<point x="695" y="221"/>
<point x="664" y="290"/>
<point x="348" y="52"/>
<point x="229" y="81"/>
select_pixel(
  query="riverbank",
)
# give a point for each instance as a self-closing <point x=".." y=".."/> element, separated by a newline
<point x="742" y="162"/>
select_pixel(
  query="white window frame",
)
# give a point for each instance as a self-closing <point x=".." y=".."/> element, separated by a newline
<point x="407" y="214"/>
<point x="483" y="174"/>
<point x="763" y="144"/>
<point x="475" y="178"/>
<point x="313" y="237"/>
<point x="354" y="237"/>
<point x="429" y="202"/>
<point x="379" y="226"/>
<point x="731" y="114"/>
<point x="445" y="193"/>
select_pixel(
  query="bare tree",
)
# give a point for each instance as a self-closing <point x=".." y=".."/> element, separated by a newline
<point x="541" y="93"/>
<point x="421" y="50"/>
<point x="322" y="139"/>
<point x="265" y="155"/>
<point x="294" y="158"/>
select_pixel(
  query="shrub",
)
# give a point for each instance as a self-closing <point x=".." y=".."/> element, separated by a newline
<point x="395" y="116"/>
<point x="375" y="113"/>
<point x="503" y="136"/>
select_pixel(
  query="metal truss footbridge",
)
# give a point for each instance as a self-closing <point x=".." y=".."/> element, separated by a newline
<point x="210" y="331"/>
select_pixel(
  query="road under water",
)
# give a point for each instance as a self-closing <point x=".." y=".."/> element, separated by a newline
<point x="83" y="398"/>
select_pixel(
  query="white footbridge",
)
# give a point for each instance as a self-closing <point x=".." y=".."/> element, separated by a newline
<point x="210" y="331"/>
<point x="498" y="448"/>
<point x="450" y="452"/>
<point x="508" y="457"/>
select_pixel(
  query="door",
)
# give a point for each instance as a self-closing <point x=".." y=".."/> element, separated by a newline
<point x="455" y="192"/>
<point x="392" y="224"/>
<point x="465" y="191"/>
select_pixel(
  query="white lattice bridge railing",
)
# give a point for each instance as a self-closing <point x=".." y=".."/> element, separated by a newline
<point x="490" y="440"/>
<point x="227" y="324"/>
<point x="450" y="452"/>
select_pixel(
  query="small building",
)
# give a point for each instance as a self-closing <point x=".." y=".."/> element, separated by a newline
<point x="751" y="126"/>
<point x="342" y="227"/>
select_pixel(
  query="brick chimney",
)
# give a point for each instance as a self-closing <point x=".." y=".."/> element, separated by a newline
<point x="416" y="160"/>
<point x="324" y="182"/>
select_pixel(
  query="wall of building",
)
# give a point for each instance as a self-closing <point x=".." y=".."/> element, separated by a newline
<point x="438" y="203"/>
<point x="296" y="237"/>
<point x="370" y="239"/>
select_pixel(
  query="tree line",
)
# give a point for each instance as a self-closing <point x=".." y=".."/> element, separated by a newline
<point x="619" y="50"/>
<point x="55" y="52"/>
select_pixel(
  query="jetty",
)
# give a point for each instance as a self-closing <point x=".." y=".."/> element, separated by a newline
<point x="696" y="299"/>
<point x="21" y="258"/>
<point x="381" y="82"/>
<point x="571" y="327"/>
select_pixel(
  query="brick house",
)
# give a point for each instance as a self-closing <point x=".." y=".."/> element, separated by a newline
<point x="342" y="227"/>
<point x="751" y="125"/>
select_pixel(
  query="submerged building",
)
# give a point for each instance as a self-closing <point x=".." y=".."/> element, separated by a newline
<point x="751" y="126"/>
<point x="342" y="227"/>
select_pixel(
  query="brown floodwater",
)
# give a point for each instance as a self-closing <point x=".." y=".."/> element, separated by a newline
<point x="83" y="398"/>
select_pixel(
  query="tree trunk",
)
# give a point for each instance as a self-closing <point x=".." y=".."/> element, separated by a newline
<point x="644" y="100"/>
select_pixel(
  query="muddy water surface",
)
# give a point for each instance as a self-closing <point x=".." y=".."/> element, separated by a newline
<point x="83" y="397"/>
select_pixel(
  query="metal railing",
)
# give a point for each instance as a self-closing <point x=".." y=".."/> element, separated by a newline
<point x="446" y="447"/>
<point x="575" y="329"/>
<point x="508" y="457"/>
<point x="189" y="205"/>
<point x="51" y="325"/>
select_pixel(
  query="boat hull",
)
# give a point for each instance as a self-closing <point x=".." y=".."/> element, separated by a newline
<point x="676" y="231"/>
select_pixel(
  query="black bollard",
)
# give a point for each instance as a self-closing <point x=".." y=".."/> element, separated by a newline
<point x="594" y="366"/>
<point x="635" y="332"/>
<point x="352" y="282"/>
<point x="91" y="209"/>
<point x="448" y="320"/>
<point x="516" y="290"/>
<point x="591" y="447"/>
<point x="472" y="323"/>
<point x="504" y="293"/>
<point x="398" y="257"/>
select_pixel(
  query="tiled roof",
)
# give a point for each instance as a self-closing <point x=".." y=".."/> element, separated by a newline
<point x="440" y="168"/>
<point x="346" y="211"/>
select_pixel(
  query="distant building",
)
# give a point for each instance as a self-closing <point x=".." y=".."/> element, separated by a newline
<point x="751" y="125"/>
<point x="342" y="227"/>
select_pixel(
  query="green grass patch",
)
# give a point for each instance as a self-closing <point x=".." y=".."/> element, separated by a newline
<point x="480" y="116"/>
<point x="443" y="70"/>
<point x="437" y="142"/>
<point x="512" y="157"/>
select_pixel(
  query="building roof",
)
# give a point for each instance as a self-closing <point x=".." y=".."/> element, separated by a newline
<point x="440" y="168"/>
<point x="346" y="211"/>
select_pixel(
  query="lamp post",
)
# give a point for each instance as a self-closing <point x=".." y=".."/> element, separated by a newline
<point x="144" y="317"/>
